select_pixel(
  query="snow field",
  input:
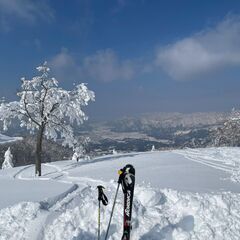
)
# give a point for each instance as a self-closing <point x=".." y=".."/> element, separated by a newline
<point x="202" y="202"/>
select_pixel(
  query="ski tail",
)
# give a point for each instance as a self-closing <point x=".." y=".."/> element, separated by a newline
<point x="127" y="180"/>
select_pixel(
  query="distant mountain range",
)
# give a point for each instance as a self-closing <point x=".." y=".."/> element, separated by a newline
<point x="161" y="130"/>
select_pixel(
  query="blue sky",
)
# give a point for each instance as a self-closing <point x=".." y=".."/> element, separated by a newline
<point x="137" y="55"/>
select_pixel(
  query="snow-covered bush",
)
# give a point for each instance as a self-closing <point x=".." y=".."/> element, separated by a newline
<point x="47" y="109"/>
<point x="8" y="160"/>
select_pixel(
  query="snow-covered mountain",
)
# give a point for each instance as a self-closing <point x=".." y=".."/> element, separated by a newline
<point x="179" y="195"/>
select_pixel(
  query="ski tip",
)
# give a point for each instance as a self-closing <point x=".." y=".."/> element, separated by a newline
<point x="129" y="169"/>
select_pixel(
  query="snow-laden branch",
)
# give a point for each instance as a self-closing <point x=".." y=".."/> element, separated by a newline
<point x="43" y="104"/>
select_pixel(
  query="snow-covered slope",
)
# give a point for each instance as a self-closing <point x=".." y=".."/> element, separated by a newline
<point x="7" y="139"/>
<point x="179" y="195"/>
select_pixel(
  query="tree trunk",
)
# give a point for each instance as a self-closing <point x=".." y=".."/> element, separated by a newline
<point x="38" y="170"/>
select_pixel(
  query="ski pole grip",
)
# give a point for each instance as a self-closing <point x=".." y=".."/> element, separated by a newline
<point x="101" y="196"/>
<point x="120" y="173"/>
<point x="100" y="192"/>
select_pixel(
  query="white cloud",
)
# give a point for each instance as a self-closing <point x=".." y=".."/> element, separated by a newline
<point x="204" y="52"/>
<point x="209" y="51"/>
<point x="26" y="10"/>
<point x="104" y="66"/>
<point x="64" y="66"/>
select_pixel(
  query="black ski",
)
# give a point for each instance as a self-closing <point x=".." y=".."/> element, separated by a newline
<point x="127" y="179"/>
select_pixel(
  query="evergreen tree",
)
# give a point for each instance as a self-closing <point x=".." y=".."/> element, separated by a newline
<point x="8" y="160"/>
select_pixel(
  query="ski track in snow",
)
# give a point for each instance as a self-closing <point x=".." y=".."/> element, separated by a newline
<point x="226" y="159"/>
<point x="158" y="214"/>
<point x="209" y="162"/>
<point x="18" y="174"/>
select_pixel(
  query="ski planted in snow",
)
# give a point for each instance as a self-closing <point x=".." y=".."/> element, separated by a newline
<point x="127" y="180"/>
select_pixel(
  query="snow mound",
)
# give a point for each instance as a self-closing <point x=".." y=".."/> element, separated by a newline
<point x="16" y="220"/>
<point x="157" y="214"/>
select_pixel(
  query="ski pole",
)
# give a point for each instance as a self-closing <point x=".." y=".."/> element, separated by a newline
<point x="115" y="198"/>
<point x="99" y="220"/>
<point x="101" y="198"/>
<point x="112" y="212"/>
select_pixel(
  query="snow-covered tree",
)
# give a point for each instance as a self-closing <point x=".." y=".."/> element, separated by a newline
<point x="80" y="150"/>
<point x="114" y="152"/>
<point x="229" y="133"/>
<point x="47" y="109"/>
<point x="8" y="160"/>
<point x="153" y="148"/>
<point x="78" y="153"/>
